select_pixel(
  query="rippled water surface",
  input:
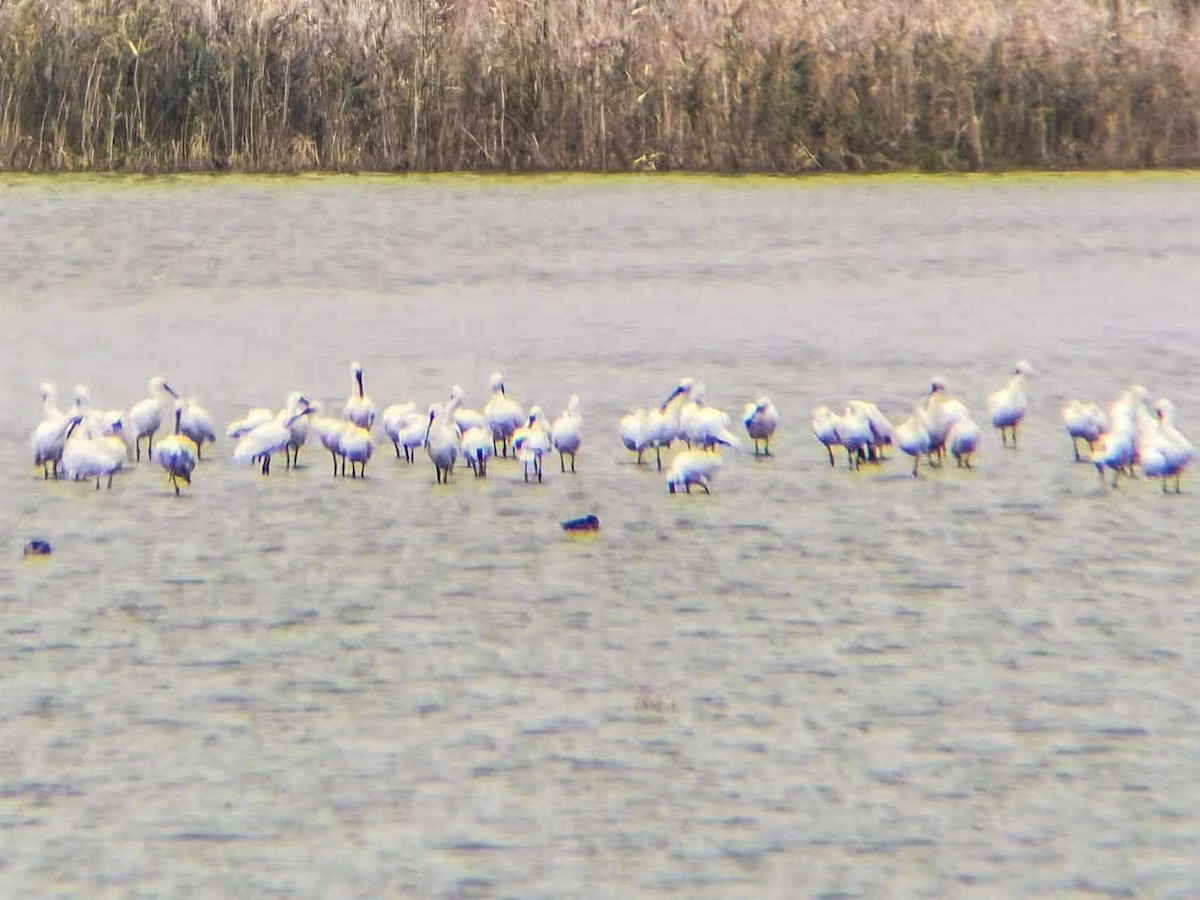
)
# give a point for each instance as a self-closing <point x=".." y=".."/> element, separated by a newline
<point x="813" y="682"/>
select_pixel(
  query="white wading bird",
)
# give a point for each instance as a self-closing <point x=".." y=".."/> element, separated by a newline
<point x="761" y="418"/>
<point x="359" y="409"/>
<point x="297" y="430"/>
<point x="824" y="426"/>
<point x="963" y="441"/>
<point x="912" y="437"/>
<point x="1008" y="405"/>
<point x="86" y="457"/>
<point x="50" y="436"/>
<point x="354" y="444"/>
<point x="268" y="439"/>
<point x="882" y="433"/>
<point x="1164" y="452"/>
<point x="1084" y="421"/>
<point x="178" y="454"/>
<point x="692" y="467"/>
<point x="393" y="419"/>
<point x="477" y="447"/>
<point x="566" y="434"/>
<point x="260" y="415"/>
<point x="146" y="416"/>
<point x="412" y="435"/>
<point x="442" y="437"/>
<point x="503" y="416"/>
<point x="465" y="419"/>
<point x="197" y="424"/>
<point x="328" y="430"/>
<point x="532" y="442"/>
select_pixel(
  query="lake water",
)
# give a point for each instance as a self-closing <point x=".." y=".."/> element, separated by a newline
<point x="813" y="682"/>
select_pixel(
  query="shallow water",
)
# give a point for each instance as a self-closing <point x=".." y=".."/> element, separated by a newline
<point x="812" y="682"/>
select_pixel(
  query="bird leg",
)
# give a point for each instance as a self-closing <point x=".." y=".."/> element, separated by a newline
<point x="396" y="444"/>
<point x="829" y="450"/>
<point x="1075" y="447"/>
<point x="110" y="481"/>
<point x="916" y="463"/>
<point x="98" y="483"/>
<point x="572" y="463"/>
<point x="658" y="455"/>
<point x="705" y="486"/>
<point x="266" y="466"/>
<point x="767" y="446"/>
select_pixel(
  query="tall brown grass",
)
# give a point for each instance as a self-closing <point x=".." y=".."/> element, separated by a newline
<point x="527" y="85"/>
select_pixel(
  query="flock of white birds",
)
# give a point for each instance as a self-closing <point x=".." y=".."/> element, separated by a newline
<point x="85" y="443"/>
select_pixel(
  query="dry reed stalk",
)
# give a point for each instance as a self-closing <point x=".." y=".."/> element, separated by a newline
<point x="609" y="85"/>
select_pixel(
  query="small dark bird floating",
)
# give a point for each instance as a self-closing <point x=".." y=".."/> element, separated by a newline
<point x="38" y="547"/>
<point x="590" y="522"/>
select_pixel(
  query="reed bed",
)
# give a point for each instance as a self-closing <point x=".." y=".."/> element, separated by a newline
<point x="600" y="85"/>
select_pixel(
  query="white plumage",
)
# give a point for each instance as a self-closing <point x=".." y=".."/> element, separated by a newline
<point x="692" y="467"/>
<point x="761" y="418"/>
<point x="566" y="434"/>
<point x="502" y="415"/>
<point x="1008" y="406"/>
<point x="177" y="454"/>
<point x="359" y="408"/>
<point x="477" y="448"/>
<point x="145" y="417"/>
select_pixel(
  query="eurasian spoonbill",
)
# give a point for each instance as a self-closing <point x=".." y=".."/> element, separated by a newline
<point x="443" y="439"/>
<point x="268" y="439"/>
<point x="566" y="434"/>
<point x="761" y="418"/>
<point x="359" y="409"/>
<point x="692" y="467"/>
<point x="178" y="454"/>
<point x="503" y="415"/>
<point x="1008" y="405"/>
<point x="197" y="424"/>
<point x="478" y="445"/>
<point x="146" y="415"/>
<point x="1083" y="421"/>
<point x="532" y="442"/>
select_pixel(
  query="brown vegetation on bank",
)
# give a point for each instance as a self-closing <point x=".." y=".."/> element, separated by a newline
<point x="609" y="85"/>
